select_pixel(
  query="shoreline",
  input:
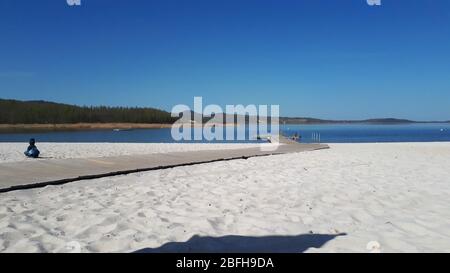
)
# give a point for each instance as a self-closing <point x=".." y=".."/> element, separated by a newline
<point x="11" y="128"/>
<point x="73" y="127"/>
<point x="126" y="125"/>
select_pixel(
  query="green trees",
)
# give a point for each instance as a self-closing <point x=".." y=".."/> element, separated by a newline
<point x="42" y="112"/>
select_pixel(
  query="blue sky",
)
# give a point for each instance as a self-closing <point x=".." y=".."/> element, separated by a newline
<point x="320" y="58"/>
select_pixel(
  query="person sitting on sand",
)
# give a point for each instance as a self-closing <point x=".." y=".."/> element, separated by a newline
<point x="32" y="150"/>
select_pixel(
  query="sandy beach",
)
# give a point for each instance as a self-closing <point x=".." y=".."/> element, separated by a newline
<point x="349" y="198"/>
<point x="13" y="152"/>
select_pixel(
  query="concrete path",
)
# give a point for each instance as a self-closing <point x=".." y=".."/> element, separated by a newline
<point x="31" y="174"/>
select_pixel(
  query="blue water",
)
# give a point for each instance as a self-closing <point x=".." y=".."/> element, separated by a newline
<point x="328" y="134"/>
<point x="162" y="135"/>
<point x="358" y="133"/>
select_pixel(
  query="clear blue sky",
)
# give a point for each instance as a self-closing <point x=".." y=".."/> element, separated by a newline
<point x="320" y="58"/>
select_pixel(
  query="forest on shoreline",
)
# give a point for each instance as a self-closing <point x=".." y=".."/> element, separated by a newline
<point x="43" y="112"/>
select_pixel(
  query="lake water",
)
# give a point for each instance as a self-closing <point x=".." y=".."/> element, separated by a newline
<point x="355" y="133"/>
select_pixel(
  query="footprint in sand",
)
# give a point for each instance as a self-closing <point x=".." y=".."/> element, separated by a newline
<point x="141" y="214"/>
<point x="61" y="218"/>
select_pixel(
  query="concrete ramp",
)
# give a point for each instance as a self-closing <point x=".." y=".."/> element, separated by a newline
<point x="39" y="173"/>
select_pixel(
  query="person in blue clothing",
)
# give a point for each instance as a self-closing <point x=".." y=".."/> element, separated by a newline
<point x="32" y="150"/>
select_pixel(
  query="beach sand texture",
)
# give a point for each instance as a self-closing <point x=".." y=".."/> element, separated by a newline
<point x="384" y="197"/>
<point x="13" y="152"/>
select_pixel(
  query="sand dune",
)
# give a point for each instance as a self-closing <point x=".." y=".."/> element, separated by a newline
<point x="350" y="198"/>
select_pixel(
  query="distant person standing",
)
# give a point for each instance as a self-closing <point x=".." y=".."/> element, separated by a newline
<point x="32" y="150"/>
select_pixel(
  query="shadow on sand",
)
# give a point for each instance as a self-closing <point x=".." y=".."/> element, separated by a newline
<point x="245" y="244"/>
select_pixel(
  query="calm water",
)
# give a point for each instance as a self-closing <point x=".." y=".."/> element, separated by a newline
<point x="372" y="133"/>
<point x="328" y="134"/>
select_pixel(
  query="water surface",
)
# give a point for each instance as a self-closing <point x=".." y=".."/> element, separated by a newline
<point x="329" y="133"/>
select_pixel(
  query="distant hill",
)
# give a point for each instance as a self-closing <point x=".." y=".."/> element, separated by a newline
<point x="307" y="120"/>
<point x="288" y="120"/>
<point x="44" y="112"/>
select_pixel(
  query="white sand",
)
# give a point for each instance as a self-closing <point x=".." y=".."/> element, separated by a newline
<point x="13" y="152"/>
<point x="397" y="195"/>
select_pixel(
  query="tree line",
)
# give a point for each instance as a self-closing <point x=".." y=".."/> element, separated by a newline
<point x="43" y="112"/>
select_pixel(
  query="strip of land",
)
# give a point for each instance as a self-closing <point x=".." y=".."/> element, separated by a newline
<point x="23" y="128"/>
<point x="80" y="126"/>
<point x="26" y="116"/>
